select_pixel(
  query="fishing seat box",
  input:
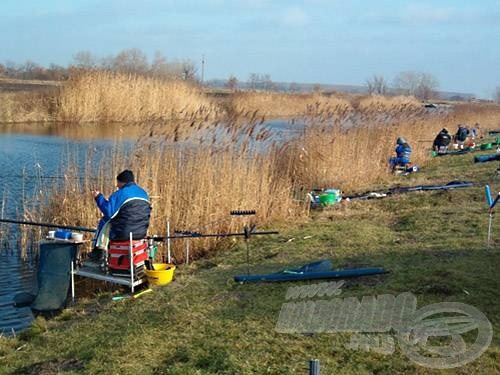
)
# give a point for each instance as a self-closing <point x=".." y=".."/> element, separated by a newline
<point x="119" y="254"/>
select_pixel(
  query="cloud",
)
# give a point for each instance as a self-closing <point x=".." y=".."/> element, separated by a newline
<point x="295" y="17"/>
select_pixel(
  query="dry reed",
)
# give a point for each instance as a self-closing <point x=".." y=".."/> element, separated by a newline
<point x="25" y="107"/>
<point x="273" y="104"/>
<point x="112" y="97"/>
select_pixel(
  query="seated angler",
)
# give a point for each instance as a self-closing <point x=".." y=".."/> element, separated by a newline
<point x="126" y="211"/>
<point x="442" y="141"/>
<point x="461" y="135"/>
<point x="403" y="153"/>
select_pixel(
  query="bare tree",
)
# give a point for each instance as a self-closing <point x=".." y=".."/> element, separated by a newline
<point x="427" y="85"/>
<point x="260" y="81"/>
<point x="84" y="60"/>
<point x="253" y="81"/>
<point x="57" y="72"/>
<point x="316" y="88"/>
<point x="159" y="66"/>
<point x="293" y="87"/>
<point x="188" y="70"/>
<point x="421" y="85"/>
<point x="232" y="83"/>
<point x="267" y="83"/>
<point x="130" y="61"/>
<point x="377" y="85"/>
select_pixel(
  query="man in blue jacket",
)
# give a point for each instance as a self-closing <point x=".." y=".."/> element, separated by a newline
<point x="126" y="211"/>
<point x="403" y="154"/>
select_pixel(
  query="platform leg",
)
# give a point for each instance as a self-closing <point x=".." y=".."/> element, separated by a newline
<point x="168" y="241"/>
<point x="131" y="254"/>
<point x="72" y="282"/>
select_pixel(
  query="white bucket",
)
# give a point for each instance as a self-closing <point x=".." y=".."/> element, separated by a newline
<point x="77" y="236"/>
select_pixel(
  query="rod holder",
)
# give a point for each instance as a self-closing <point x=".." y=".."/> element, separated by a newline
<point x="242" y="212"/>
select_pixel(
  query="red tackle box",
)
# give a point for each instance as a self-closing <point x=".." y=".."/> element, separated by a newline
<point x="119" y="254"/>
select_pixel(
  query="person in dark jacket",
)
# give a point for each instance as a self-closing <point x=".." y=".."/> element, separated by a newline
<point x="442" y="141"/>
<point x="126" y="211"/>
<point x="403" y="154"/>
<point x="461" y="135"/>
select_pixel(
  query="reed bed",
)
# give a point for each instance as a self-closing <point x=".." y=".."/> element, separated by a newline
<point x="273" y="104"/>
<point x="486" y="114"/>
<point x="388" y="104"/>
<point x="113" y="97"/>
<point x="26" y="107"/>
<point x="354" y="158"/>
<point x="194" y="187"/>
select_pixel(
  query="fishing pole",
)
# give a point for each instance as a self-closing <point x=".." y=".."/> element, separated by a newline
<point x="32" y="177"/>
<point x="49" y="225"/>
<point x="201" y="235"/>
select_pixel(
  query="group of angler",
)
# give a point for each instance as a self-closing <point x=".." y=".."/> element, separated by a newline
<point x="440" y="145"/>
<point x="444" y="139"/>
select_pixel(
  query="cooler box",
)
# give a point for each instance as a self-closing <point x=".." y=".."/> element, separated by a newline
<point x="119" y="254"/>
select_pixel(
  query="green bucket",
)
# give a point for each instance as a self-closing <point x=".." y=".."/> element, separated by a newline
<point x="486" y="146"/>
<point x="327" y="199"/>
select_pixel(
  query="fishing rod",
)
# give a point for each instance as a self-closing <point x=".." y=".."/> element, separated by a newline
<point x="181" y="234"/>
<point x="187" y="234"/>
<point x="33" y="177"/>
<point x="48" y="225"/>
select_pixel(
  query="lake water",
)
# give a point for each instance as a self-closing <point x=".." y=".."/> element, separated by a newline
<point x="28" y="153"/>
<point x="23" y="157"/>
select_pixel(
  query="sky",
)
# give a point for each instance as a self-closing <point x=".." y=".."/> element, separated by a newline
<point x="303" y="41"/>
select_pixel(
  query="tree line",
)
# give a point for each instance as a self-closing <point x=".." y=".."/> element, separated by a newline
<point x="126" y="61"/>
<point x="419" y="84"/>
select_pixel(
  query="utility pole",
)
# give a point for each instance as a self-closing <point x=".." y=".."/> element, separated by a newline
<point x="202" y="69"/>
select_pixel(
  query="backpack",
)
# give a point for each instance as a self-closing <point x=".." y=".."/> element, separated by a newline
<point x="462" y="134"/>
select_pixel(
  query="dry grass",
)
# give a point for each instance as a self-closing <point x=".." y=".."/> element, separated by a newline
<point x="486" y="114"/>
<point x="353" y="158"/>
<point x="395" y="104"/>
<point x="110" y="97"/>
<point x="194" y="187"/>
<point x="25" y="107"/>
<point x="273" y="104"/>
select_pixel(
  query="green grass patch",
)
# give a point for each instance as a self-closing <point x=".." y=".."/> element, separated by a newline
<point x="432" y="243"/>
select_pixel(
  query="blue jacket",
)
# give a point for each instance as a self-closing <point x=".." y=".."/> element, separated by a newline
<point x="127" y="211"/>
<point x="403" y="153"/>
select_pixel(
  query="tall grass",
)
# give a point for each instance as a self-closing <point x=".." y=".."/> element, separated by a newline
<point x="192" y="186"/>
<point x="273" y="104"/>
<point x="25" y="107"/>
<point x="112" y="97"/>
<point x="379" y="103"/>
<point x="354" y="158"/>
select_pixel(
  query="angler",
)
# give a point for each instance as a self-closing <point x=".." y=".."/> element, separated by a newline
<point x="127" y="210"/>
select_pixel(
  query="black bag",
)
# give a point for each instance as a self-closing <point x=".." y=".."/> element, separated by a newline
<point x="462" y="134"/>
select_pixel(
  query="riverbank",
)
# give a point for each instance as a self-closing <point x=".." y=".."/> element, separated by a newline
<point x="105" y="97"/>
<point x="433" y="244"/>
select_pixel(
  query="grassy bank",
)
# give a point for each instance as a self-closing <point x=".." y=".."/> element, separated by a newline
<point x="433" y="244"/>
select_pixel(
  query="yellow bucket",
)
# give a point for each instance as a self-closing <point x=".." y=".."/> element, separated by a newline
<point x="162" y="274"/>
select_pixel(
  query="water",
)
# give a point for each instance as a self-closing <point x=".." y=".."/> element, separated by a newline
<point x="23" y="156"/>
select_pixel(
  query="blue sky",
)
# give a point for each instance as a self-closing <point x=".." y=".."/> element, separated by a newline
<point x="307" y="41"/>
